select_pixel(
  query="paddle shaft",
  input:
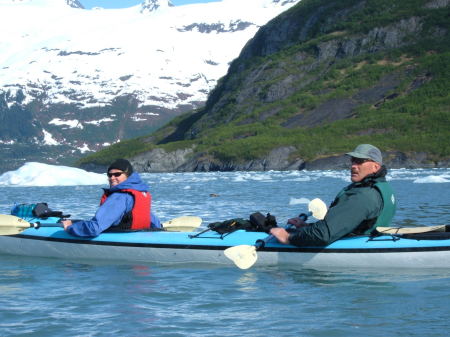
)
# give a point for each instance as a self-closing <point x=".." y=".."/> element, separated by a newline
<point x="191" y="236"/>
<point x="10" y="224"/>
<point x="38" y="224"/>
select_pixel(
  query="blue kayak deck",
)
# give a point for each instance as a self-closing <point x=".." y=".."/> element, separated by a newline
<point x="214" y="241"/>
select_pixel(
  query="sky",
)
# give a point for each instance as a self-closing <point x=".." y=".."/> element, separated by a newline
<point x="129" y="3"/>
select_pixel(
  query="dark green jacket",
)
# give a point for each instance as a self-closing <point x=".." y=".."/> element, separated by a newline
<point x="354" y="211"/>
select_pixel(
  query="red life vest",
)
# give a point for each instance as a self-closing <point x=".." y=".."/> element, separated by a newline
<point x="139" y="217"/>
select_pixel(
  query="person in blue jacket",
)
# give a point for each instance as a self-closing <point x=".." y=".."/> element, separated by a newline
<point x="125" y="206"/>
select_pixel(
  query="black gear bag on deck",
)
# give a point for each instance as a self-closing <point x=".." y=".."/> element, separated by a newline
<point x="257" y="223"/>
<point x="39" y="210"/>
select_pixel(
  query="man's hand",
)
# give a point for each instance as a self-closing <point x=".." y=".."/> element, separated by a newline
<point x="280" y="234"/>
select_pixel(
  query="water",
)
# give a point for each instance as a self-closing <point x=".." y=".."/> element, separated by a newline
<point x="50" y="297"/>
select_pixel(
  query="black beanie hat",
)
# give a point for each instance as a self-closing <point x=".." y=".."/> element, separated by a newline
<point x="123" y="165"/>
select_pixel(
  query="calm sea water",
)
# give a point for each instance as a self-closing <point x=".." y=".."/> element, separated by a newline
<point x="50" y="297"/>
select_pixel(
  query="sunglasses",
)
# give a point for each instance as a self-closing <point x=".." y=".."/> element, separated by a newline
<point x="359" y="161"/>
<point x="115" y="174"/>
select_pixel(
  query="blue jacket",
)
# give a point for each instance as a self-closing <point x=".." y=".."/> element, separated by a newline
<point x="113" y="209"/>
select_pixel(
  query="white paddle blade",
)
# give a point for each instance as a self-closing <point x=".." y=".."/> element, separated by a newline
<point x="10" y="224"/>
<point x="411" y="230"/>
<point x="187" y="223"/>
<point x="10" y="230"/>
<point x="318" y="208"/>
<point x="13" y="221"/>
<point x="243" y="256"/>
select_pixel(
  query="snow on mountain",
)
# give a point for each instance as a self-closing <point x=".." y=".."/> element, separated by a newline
<point x="74" y="4"/>
<point x="163" y="55"/>
<point x="60" y="3"/>
<point x="74" y="80"/>
<point x="153" y="5"/>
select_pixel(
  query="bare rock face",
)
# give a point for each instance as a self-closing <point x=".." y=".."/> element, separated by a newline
<point x="437" y="4"/>
<point x="279" y="159"/>
<point x="158" y="160"/>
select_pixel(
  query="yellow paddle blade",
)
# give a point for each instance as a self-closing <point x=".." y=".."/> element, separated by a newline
<point x="243" y="256"/>
<point x="10" y="224"/>
<point x="318" y="208"/>
<point x="187" y="223"/>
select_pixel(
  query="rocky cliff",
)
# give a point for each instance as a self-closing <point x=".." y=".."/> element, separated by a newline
<point x="315" y="82"/>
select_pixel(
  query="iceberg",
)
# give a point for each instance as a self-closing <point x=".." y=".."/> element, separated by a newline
<point x="39" y="174"/>
<point x="298" y="201"/>
<point x="431" y="180"/>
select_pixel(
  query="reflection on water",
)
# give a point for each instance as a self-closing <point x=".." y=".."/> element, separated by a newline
<point x="367" y="276"/>
<point x="216" y="299"/>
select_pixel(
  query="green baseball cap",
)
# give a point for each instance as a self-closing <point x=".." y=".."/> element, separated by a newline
<point x="367" y="151"/>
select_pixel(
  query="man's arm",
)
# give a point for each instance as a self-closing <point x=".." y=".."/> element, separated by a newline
<point x="353" y="208"/>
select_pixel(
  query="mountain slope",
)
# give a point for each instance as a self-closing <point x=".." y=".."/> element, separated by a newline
<point x="67" y="73"/>
<point x="314" y="82"/>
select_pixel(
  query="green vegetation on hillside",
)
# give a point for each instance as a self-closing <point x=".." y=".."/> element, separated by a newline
<point x="413" y="116"/>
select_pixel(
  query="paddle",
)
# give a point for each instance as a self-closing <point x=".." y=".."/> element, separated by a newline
<point x="413" y="230"/>
<point x="10" y="224"/>
<point x="245" y="256"/>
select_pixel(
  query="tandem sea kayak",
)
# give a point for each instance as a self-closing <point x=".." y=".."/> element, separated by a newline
<point x="425" y="250"/>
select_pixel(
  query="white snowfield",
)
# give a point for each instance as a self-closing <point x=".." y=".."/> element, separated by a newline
<point x="165" y="55"/>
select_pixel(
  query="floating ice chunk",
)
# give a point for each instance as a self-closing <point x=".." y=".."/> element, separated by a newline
<point x="39" y="174"/>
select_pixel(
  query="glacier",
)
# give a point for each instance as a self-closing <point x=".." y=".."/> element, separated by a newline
<point x="163" y="55"/>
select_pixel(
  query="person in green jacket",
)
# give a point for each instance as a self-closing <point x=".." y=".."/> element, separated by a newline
<point x="358" y="209"/>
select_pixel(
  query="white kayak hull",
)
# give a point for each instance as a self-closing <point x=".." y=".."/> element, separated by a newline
<point x="182" y="248"/>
